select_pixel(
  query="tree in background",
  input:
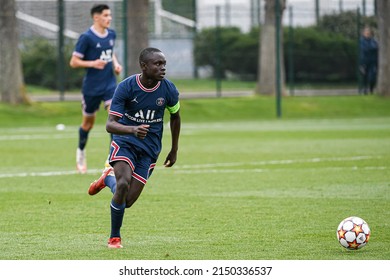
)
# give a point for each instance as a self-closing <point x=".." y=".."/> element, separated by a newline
<point x="267" y="60"/>
<point x="12" y="89"/>
<point x="383" y="85"/>
<point x="137" y="32"/>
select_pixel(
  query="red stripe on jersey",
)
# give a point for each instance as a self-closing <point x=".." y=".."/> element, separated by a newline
<point x="116" y="114"/>
<point x="144" y="88"/>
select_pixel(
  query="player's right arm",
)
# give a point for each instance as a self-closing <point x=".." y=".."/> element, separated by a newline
<point x="117" y="110"/>
<point x="77" y="62"/>
<point x="113" y="126"/>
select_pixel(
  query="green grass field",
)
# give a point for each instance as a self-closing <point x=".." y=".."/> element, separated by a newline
<point x="246" y="186"/>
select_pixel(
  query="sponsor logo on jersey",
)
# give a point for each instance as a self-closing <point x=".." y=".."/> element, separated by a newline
<point x="106" y="55"/>
<point x="144" y="117"/>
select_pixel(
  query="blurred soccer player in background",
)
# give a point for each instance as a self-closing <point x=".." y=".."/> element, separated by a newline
<point x="94" y="51"/>
<point x="136" y="122"/>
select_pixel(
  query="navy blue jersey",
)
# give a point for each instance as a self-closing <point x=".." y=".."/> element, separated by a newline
<point x="137" y="105"/>
<point x="91" y="46"/>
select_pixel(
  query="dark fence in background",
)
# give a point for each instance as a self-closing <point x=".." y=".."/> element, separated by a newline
<point x="201" y="36"/>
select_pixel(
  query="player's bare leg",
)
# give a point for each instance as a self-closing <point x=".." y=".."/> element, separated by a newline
<point x="135" y="189"/>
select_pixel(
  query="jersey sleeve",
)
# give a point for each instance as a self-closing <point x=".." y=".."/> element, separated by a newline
<point x="113" y="34"/>
<point x="173" y="104"/>
<point x="118" y="102"/>
<point x="81" y="46"/>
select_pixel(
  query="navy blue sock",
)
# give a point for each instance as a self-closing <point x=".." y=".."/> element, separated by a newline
<point x="110" y="182"/>
<point x="83" y="137"/>
<point x="117" y="213"/>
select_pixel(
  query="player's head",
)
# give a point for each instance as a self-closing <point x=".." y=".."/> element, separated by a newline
<point x="98" y="9"/>
<point x="101" y="15"/>
<point x="146" y="53"/>
<point x="152" y="62"/>
<point x="367" y="32"/>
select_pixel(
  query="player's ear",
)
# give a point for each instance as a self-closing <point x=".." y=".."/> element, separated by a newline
<point x="142" y="65"/>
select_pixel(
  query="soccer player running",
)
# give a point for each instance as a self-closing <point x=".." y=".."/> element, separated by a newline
<point x="94" y="51"/>
<point x="136" y="122"/>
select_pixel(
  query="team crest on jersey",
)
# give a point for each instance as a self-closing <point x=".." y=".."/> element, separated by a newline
<point x="160" y="101"/>
<point x="111" y="42"/>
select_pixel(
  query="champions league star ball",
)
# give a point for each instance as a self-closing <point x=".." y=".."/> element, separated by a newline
<point x="353" y="233"/>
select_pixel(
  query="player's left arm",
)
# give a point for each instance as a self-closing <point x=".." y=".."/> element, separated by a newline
<point x="117" y="66"/>
<point x="175" y="123"/>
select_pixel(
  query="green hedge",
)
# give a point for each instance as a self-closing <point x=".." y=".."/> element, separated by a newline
<point x="318" y="55"/>
<point x="321" y="56"/>
<point x="327" y="53"/>
<point x="40" y="60"/>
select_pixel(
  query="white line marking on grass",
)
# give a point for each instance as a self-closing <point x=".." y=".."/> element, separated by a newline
<point x="35" y="137"/>
<point x="201" y="168"/>
<point x="276" y="162"/>
<point x="58" y="136"/>
<point x="256" y="170"/>
<point x="231" y="171"/>
<point x="47" y="173"/>
<point x="44" y="136"/>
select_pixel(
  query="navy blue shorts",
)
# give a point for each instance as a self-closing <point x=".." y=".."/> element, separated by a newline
<point x="91" y="103"/>
<point x="140" y="162"/>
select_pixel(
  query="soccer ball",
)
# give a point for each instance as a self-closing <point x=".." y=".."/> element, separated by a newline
<point x="353" y="233"/>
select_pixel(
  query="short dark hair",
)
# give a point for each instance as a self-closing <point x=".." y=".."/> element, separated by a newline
<point x="143" y="56"/>
<point x="99" y="8"/>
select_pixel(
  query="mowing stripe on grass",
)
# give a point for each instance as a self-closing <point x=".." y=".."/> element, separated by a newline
<point x="197" y="168"/>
